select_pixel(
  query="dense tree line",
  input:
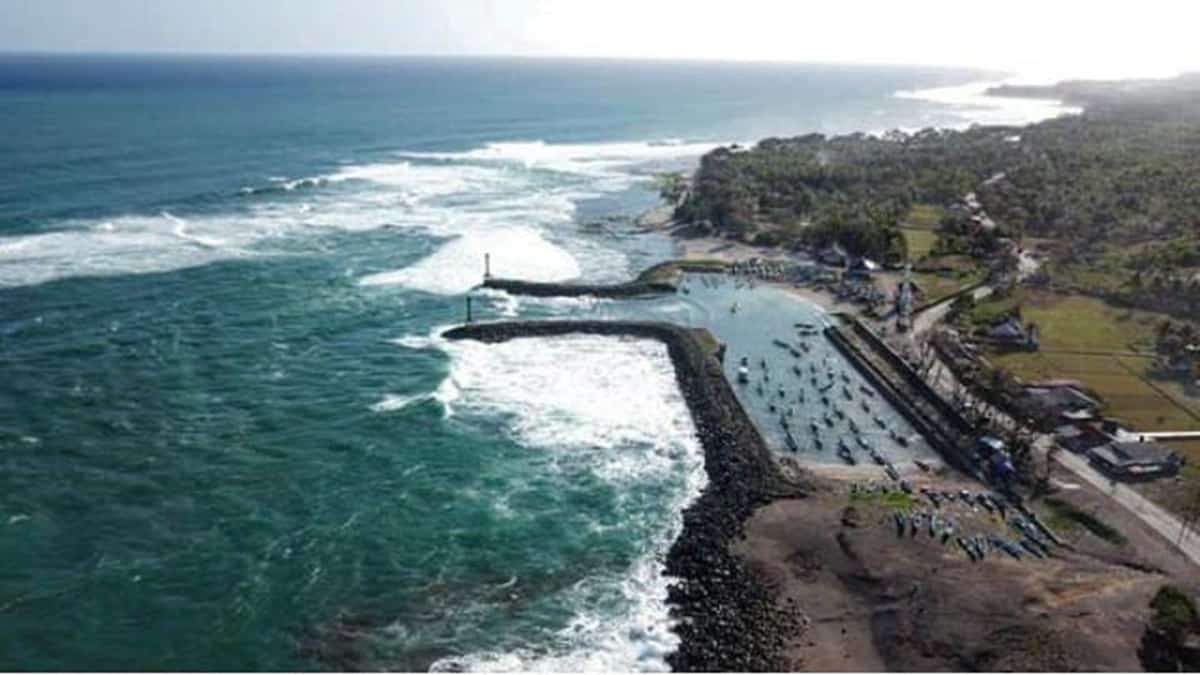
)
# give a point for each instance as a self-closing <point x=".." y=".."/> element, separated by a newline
<point x="1109" y="183"/>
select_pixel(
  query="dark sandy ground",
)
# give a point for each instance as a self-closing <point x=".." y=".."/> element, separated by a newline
<point x="873" y="601"/>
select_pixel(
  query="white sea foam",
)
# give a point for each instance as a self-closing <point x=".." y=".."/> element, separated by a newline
<point x="973" y="105"/>
<point x="458" y="265"/>
<point x="572" y="397"/>
<point x="133" y="244"/>
<point x="517" y="206"/>
<point x="496" y="203"/>
<point x="394" y="402"/>
<point x="578" y="158"/>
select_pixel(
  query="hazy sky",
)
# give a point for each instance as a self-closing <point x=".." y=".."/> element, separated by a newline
<point x="1045" y="38"/>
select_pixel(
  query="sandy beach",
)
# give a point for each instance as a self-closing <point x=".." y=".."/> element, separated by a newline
<point x="710" y="248"/>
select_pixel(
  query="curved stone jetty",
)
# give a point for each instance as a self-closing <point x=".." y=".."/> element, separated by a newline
<point x="727" y="620"/>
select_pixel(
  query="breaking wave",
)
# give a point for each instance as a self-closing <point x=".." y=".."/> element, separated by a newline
<point x="514" y="200"/>
<point x="642" y="436"/>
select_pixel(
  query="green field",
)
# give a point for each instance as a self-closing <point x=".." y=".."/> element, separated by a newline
<point x="920" y="242"/>
<point x="1078" y="322"/>
<point x="1105" y="347"/>
<point x="937" y="286"/>
<point x="923" y="217"/>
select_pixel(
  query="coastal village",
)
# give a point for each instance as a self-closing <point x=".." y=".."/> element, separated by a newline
<point x="1029" y="521"/>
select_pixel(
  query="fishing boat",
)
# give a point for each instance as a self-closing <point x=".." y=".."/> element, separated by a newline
<point x="763" y="363"/>
<point x="817" y="443"/>
<point x="838" y="411"/>
<point x="758" y="389"/>
<point x="781" y="344"/>
<point x="733" y="308"/>
<point x="828" y="420"/>
<point x="853" y="425"/>
<point x="866" y="408"/>
<point x="845" y="377"/>
<point x="880" y="421"/>
<point x="771" y="407"/>
<point x="812" y="426"/>
<point x="891" y="472"/>
<point x="862" y="442"/>
<point x="825" y="401"/>
<point x="900" y="439"/>
<point x="847" y="394"/>
<point x="847" y="456"/>
<point x="791" y="442"/>
<point x="800" y="396"/>
<point x="866" y="390"/>
<point x="745" y="361"/>
<point x="743" y="374"/>
<point x="876" y="457"/>
<point x="795" y="354"/>
<point x="782" y="393"/>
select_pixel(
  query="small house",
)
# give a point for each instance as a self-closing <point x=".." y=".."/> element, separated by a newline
<point x="1008" y="332"/>
<point x="862" y="267"/>
<point x="833" y="256"/>
<point x="1079" y="438"/>
<point x="1127" y="460"/>
<point x="1049" y="405"/>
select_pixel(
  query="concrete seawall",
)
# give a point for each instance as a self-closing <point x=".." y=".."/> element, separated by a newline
<point x="728" y="620"/>
<point x="945" y="430"/>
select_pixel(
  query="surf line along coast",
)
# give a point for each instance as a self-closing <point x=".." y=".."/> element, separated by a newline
<point x="726" y="618"/>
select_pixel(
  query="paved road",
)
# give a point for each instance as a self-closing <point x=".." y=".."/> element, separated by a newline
<point x="1153" y="516"/>
<point x="926" y="319"/>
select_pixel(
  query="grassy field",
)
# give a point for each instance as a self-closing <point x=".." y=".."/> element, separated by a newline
<point x="920" y="242"/>
<point x="1067" y="517"/>
<point x="1106" y="348"/>
<point x="936" y="286"/>
<point x="923" y="217"/>
<point x="1077" y="322"/>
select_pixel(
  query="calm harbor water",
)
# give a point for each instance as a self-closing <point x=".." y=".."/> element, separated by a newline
<point x="228" y="429"/>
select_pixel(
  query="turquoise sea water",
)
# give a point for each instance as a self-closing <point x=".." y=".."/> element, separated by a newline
<point x="229" y="435"/>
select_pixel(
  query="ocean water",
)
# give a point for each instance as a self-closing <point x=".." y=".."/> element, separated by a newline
<point x="230" y="436"/>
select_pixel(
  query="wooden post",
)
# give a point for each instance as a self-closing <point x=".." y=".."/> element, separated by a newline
<point x="487" y="265"/>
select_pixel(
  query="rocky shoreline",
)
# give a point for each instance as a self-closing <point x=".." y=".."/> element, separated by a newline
<point x="727" y="619"/>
